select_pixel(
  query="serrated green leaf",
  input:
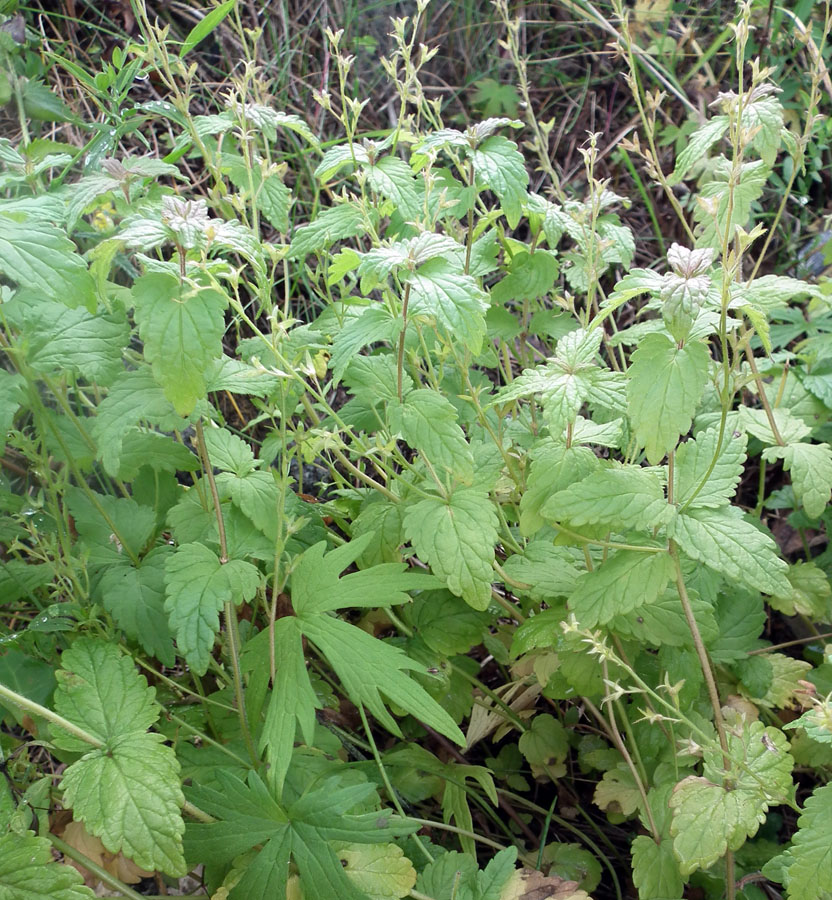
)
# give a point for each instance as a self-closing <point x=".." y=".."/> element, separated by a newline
<point x="530" y="275"/>
<point x="60" y="340"/>
<point x="693" y="464"/>
<point x="451" y="875"/>
<point x="455" y="300"/>
<point x="492" y="880"/>
<point x="811" y="469"/>
<point x="500" y="166"/>
<point x="550" y="572"/>
<point x="135" y="598"/>
<point x="456" y="537"/>
<point x="428" y="422"/>
<point x="624" y="498"/>
<point x="374" y="324"/>
<point x="182" y="329"/>
<point x="725" y="542"/>
<point x="697" y="147"/>
<point x="708" y="818"/>
<point x="157" y="451"/>
<point x="664" y="385"/>
<point x="809" y="873"/>
<point x="11" y="396"/>
<point x="393" y="178"/>
<point x="810" y="595"/>
<point x="28" y="871"/>
<point x="569" y="379"/>
<point x="545" y="743"/>
<point x="332" y="224"/>
<point x="655" y="870"/>
<point x="662" y="622"/>
<point x="139" y="812"/>
<point x="619" y="585"/>
<point x="733" y="201"/>
<point x="96" y="515"/>
<point x="446" y="623"/>
<point x="197" y="585"/>
<point x="816" y="722"/>
<point x="273" y="199"/>
<point x="741" y="617"/>
<point x="39" y="256"/>
<point x="132" y="398"/>
<point x="635" y="282"/>
<point x="554" y="467"/>
<point x="229" y="452"/>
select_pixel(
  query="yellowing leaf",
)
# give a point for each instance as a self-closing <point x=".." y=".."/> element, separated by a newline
<point x="381" y="871"/>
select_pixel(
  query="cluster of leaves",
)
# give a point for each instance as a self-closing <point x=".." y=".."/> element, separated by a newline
<point x="528" y="555"/>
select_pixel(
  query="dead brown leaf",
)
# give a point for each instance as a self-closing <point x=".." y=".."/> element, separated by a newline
<point x="116" y="864"/>
<point x="529" y="884"/>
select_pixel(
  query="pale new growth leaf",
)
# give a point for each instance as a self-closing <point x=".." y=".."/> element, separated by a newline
<point x="457" y="537"/>
<point x="381" y="871"/>
<point x="724" y="541"/>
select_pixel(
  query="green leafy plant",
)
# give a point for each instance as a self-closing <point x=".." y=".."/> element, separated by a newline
<point x="535" y="541"/>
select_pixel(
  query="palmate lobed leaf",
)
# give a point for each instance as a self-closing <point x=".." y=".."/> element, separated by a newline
<point x="369" y="669"/>
<point x="303" y="831"/>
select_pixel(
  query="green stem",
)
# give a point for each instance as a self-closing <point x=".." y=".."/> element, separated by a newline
<point x="430" y="823"/>
<point x="229" y="609"/>
<point x="35" y="709"/>
<point x="400" y="356"/>
<point x="391" y="791"/>
<point x="702" y="653"/>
